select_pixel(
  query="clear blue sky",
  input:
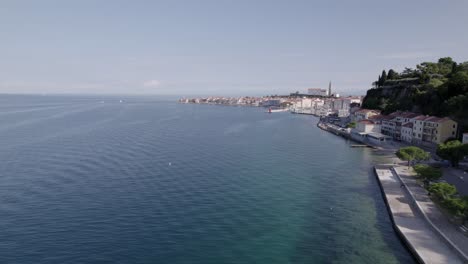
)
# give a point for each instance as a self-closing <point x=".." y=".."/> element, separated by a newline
<point x="250" y="47"/>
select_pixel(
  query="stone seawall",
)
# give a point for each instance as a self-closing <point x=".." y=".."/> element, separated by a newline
<point x="410" y="225"/>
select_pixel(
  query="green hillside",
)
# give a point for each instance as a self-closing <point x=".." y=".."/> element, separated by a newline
<point x="432" y="88"/>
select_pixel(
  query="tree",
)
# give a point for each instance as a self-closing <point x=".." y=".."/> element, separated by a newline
<point x="412" y="153"/>
<point x="452" y="151"/>
<point x="442" y="190"/>
<point x="427" y="172"/>
<point x="351" y="125"/>
<point x="392" y="75"/>
<point x="446" y="65"/>
<point x="382" y="78"/>
<point x="408" y="73"/>
<point x="455" y="205"/>
<point x="458" y="84"/>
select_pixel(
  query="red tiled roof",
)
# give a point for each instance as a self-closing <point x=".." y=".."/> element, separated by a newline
<point x="409" y="115"/>
<point x="434" y="119"/>
<point x="421" y="118"/>
<point x="366" y="121"/>
<point x="409" y="124"/>
<point x="404" y="114"/>
<point x="379" y="117"/>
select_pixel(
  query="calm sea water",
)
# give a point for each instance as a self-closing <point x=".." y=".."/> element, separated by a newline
<point x="93" y="180"/>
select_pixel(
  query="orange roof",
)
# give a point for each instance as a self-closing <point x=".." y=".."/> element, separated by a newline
<point x="366" y="121"/>
<point x="421" y="118"/>
<point x="434" y="119"/>
<point x="409" y="124"/>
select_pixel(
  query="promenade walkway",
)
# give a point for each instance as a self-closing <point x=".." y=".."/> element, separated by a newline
<point x="440" y="221"/>
<point x="427" y="246"/>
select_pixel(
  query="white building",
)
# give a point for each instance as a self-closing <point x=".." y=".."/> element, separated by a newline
<point x="368" y="131"/>
<point x="407" y="132"/>
<point x="465" y="138"/>
<point x="367" y="126"/>
<point x="364" y="114"/>
<point x="306" y="103"/>
<point x="343" y="112"/>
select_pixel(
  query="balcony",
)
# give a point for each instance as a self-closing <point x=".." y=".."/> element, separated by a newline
<point x="429" y="131"/>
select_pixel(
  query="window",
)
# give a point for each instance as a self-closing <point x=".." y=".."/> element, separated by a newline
<point x="453" y="126"/>
<point x="453" y="133"/>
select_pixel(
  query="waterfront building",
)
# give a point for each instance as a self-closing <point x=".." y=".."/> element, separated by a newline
<point x="343" y="112"/>
<point x="389" y="127"/>
<point x="379" y="118"/>
<point x="364" y="114"/>
<point x="392" y="125"/>
<point x="367" y="131"/>
<point x="401" y="118"/>
<point x="430" y="130"/>
<point x="306" y="103"/>
<point x="323" y="111"/>
<point x="272" y="102"/>
<point x="367" y="126"/>
<point x="407" y="132"/>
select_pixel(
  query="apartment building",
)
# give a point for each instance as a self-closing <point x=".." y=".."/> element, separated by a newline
<point x="431" y="129"/>
<point x="392" y="124"/>
<point x="364" y="114"/>
<point x="407" y="132"/>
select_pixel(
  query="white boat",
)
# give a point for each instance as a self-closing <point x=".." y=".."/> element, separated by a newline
<point x="277" y="110"/>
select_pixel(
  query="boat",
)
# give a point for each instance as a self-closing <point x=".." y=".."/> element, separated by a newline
<point x="277" y="110"/>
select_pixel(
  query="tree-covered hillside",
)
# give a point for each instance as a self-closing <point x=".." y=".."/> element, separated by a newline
<point x="432" y="88"/>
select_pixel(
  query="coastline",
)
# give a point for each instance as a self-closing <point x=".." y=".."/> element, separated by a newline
<point x="407" y="216"/>
<point x="409" y="223"/>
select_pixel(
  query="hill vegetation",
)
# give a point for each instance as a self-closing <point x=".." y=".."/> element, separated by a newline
<point x="432" y="88"/>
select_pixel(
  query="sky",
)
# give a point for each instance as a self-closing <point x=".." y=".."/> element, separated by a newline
<point x="220" y="47"/>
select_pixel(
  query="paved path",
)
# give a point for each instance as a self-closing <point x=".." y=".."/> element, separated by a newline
<point x="440" y="221"/>
<point x="409" y="223"/>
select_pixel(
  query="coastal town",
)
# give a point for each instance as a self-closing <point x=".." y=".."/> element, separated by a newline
<point x="344" y="115"/>
<point x="439" y="232"/>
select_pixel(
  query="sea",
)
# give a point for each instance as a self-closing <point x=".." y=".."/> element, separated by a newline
<point x="120" y="179"/>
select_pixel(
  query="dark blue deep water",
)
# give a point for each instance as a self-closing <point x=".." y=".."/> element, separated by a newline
<point x="93" y="180"/>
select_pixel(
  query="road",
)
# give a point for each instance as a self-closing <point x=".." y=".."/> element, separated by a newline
<point x="457" y="177"/>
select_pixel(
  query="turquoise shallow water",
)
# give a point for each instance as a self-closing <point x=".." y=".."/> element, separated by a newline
<point x="92" y="180"/>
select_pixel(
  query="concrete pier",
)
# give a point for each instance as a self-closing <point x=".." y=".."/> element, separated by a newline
<point x="425" y="244"/>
